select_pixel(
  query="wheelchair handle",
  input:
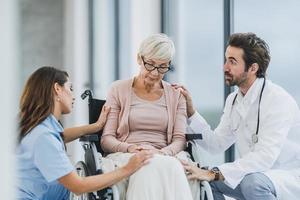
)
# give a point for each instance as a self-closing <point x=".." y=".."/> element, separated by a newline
<point x="86" y="93"/>
<point x="195" y="136"/>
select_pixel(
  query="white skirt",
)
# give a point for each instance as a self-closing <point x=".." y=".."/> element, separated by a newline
<point x="163" y="178"/>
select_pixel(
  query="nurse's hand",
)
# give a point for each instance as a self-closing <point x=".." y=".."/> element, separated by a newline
<point x="189" y="101"/>
<point x="73" y="133"/>
<point x="102" y="118"/>
<point x="138" y="160"/>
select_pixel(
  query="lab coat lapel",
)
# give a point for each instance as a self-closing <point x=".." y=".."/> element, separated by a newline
<point x="244" y="103"/>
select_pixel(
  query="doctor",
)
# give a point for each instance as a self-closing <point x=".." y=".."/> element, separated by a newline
<point x="261" y="119"/>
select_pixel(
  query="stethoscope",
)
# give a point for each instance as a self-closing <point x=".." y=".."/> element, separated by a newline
<point x="255" y="135"/>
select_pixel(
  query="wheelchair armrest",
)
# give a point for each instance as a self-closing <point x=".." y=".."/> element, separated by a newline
<point x="195" y="136"/>
<point x="89" y="138"/>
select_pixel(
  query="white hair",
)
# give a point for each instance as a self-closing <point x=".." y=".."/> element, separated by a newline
<point x="157" y="46"/>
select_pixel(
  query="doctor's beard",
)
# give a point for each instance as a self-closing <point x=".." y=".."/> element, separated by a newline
<point x="230" y="80"/>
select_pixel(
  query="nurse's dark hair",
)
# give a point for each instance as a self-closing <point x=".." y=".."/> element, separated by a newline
<point x="37" y="100"/>
<point x="256" y="50"/>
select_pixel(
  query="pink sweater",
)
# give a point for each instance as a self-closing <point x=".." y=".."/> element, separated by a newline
<point x="116" y="130"/>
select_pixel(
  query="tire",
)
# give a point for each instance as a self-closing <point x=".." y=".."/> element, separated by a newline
<point x="82" y="171"/>
<point x="206" y="192"/>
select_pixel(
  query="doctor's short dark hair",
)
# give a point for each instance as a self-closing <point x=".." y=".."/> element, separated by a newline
<point x="256" y="50"/>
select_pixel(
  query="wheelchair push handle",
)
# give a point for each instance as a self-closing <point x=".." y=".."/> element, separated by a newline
<point x="86" y="93"/>
<point x="194" y="136"/>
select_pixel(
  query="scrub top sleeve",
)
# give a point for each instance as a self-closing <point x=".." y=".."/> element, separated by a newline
<point x="50" y="157"/>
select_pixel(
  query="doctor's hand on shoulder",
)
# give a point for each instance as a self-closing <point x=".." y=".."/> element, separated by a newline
<point x="189" y="101"/>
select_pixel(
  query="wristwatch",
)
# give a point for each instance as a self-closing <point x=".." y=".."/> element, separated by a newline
<point x="216" y="172"/>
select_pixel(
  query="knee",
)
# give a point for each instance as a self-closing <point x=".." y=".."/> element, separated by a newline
<point x="253" y="185"/>
<point x="218" y="186"/>
<point x="161" y="163"/>
<point x="164" y="161"/>
<point x="213" y="185"/>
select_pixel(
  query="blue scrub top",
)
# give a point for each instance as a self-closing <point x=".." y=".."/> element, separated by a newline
<point x="41" y="160"/>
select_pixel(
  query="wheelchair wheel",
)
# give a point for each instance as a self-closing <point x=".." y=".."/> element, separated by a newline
<point x="82" y="171"/>
<point x="205" y="190"/>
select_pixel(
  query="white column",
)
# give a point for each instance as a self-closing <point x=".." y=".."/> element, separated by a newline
<point x="139" y="20"/>
<point x="176" y="31"/>
<point x="104" y="46"/>
<point x="9" y="87"/>
<point x="76" y="62"/>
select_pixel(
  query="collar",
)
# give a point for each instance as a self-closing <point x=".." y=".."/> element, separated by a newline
<point x="252" y="94"/>
<point x="53" y="124"/>
<point x="163" y="83"/>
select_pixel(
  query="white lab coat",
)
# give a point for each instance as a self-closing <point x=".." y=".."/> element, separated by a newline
<point x="277" y="152"/>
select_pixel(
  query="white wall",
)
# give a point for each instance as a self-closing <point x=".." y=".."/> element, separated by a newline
<point x="9" y="81"/>
<point x="138" y="19"/>
<point x="76" y="62"/>
<point x="104" y="46"/>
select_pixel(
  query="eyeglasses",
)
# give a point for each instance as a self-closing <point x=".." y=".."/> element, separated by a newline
<point x="163" y="68"/>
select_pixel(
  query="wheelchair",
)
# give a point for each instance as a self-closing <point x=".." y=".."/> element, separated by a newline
<point x="92" y="164"/>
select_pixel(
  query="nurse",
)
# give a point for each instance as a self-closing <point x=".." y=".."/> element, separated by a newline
<point x="261" y="119"/>
<point x="44" y="170"/>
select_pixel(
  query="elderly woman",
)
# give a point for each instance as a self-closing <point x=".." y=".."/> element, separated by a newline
<point x="147" y="114"/>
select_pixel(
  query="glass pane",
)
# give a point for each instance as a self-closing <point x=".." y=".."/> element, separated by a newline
<point x="278" y="26"/>
<point x="199" y="56"/>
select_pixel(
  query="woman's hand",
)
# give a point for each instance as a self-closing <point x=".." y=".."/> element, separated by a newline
<point x="189" y="101"/>
<point x="134" y="148"/>
<point x="156" y="151"/>
<point x="102" y="118"/>
<point x="138" y="160"/>
<point x="138" y="148"/>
